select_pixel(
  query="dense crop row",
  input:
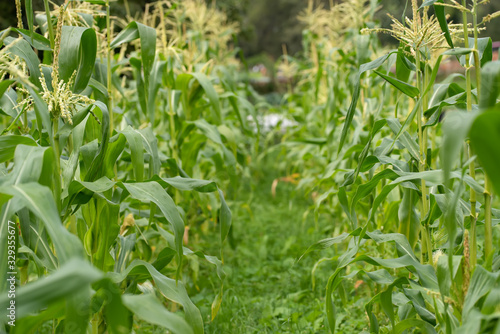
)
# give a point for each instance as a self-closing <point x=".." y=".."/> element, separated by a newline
<point x="404" y="163"/>
<point x="107" y="140"/>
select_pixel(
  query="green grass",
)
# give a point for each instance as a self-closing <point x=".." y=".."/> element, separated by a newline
<point x="266" y="291"/>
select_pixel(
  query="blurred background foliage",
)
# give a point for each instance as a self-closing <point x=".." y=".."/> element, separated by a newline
<point x="266" y="25"/>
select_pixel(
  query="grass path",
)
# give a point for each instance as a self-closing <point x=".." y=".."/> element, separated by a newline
<point x="266" y="291"/>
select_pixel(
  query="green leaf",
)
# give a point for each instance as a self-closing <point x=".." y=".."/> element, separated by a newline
<point x="490" y="85"/>
<point x="362" y="156"/>
<point x="184" y="183"/>
<point x="76" y="275"/>
<point x="403" y="66"/>
<point x="435" y="112"/>
<point x="95" y="2"/>
<point x="445" y="274"/>
<point x="325" y="243"/>
<point x="154" y="86"/>
<point x="455" y="129"/>
<point x="163" y="259"/>
<point x="151" y="144"/>
<point x="484" y="137"/>
<point x="80" y="192"/>
<point x="96" y="169"/>
<point x="458" y="51"/>
<point x="77" y="55"/>
<point x="28" y="164"/>
<point x="31" y="323"/>
<point x="147" y="37"/>
<point x="366" y="189"/>
<point x="28" y="4"/>
<point x="203" y="186"/>
<point x="37" y="41"/>
<point x="212" y="95"/>
<point x="408" y="121"/>
<point x="10" y="143"/>
<point x="225" y="218"/>
<point x="409" y="225"/>
<point x="216" y="304"/>
<point x="210" y="259"/>
<point x="355" y="96"/>
<point x="426" y="274"/>
<point x="96" y="85"/>
<point x="149" y="309"/>
<point x="482" y="282"/>
<point x="404" y="137"/>
<point x="485" y="48"/>
<point x="406" y="324"/>
<point x="117" y="316"/>
<point x="209" y="130"/>
<point x="38" y="199"/>
<point x="154" y="192"/>
<point x="135" y="142"/>
<point x="405" y="88"/>
<point x="169" y="288"/>
<point x="23" y="50"/>
<point x="443" y="23"/>
<point x="42" y="114"/>
<point x="4" y="86"/>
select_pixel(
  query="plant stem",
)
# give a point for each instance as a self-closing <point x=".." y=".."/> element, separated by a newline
<point x="57" y="170"/>
<point x="108" y="68"/>
<point x="95" y="323"/>
<point x="127" y="8"/>
<point x="488" y="231"/>
<point x="472" y="167"/>
<point x="426" y="242"/>
<point x="25" y="120"/>
<point x="173" y="135"/>
<point x="49" y="24"/>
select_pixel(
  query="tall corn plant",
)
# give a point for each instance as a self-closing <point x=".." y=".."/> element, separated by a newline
<point x="409" y="192"/>
<point x="100" y="239"/>
<point x="333" y="50"/>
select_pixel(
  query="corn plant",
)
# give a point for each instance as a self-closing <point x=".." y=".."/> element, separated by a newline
<point x="103" y="147"/>
<point x="414" y="217"/>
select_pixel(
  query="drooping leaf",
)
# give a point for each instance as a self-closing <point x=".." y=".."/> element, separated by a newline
<point x="37" y="41"/>
<point x="76" y="275"/>
<point x="38" y="199"/>
<point x="154" y="192"/>
<point x="148" y="308"/>
<point x="482" y="282"/>
<point x="9" y="144"/>
<point x="23" y="50"/>
<point x="77" y="56"/>
<point x="169" y="288"/>
<point x="135" y="142"/>
<point x="402" y="86"/>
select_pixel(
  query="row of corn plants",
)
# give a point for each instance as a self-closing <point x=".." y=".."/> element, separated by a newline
<point x="404" y="161"/>
<point x="121" y="140"/>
